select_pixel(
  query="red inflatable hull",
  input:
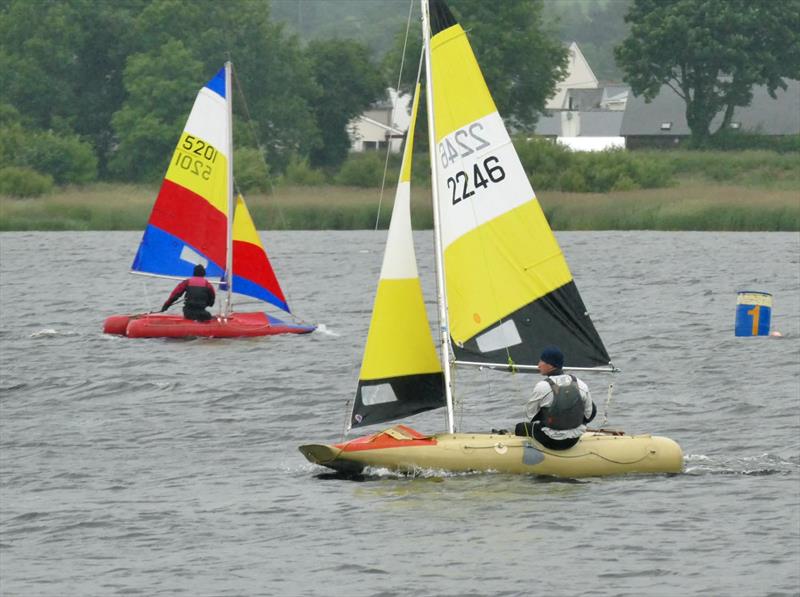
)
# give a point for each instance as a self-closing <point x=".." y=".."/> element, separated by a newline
<point x="235" y="325"/>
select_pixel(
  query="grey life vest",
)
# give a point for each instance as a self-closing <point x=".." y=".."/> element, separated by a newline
<point x="566" y="410"/>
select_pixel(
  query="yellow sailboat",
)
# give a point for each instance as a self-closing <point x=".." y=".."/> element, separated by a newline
<point x="504" y="291"/>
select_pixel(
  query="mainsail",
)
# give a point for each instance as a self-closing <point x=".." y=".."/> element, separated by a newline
<point x="509" y="290"/>
<point x="189" y="222"/>
<point x="400" y="372"/>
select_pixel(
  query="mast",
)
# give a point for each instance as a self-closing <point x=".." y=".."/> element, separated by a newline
<point x="226" y="307"/>
<point x="441" y="299"/>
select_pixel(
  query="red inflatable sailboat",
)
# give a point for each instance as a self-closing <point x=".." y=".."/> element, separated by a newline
<point x="197" y="219"/>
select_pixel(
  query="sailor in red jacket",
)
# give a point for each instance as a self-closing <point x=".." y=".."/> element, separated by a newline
<point x="199" y="295"/>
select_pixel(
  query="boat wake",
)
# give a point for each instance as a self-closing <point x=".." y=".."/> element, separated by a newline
<point x="51" y="333"/>
<point x="324" y="330"/>
<point x="378" y="473"/>
<point x="764" y="464"/>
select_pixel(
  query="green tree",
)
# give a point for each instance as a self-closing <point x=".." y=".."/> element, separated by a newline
<point x="63" y="158"/>
<point x="366" y="21"/>
<point x="161" y="86"/>
<point x="38" y="58"/>
<point x="404" y="53"/>
<point x="596" y="25"/>
<point x="350" y="82"/>
<point x="61" y="64"/>
<point x="520" y="60"/>
<point x="273" y="86"/>
<point x="710" y="53"/>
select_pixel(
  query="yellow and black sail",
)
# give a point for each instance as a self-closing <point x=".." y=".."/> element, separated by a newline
<point x="400" y="373"/>
<point x="509" y="289"/>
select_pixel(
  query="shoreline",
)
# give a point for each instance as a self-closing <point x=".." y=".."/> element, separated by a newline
<point x="689" y="205"/>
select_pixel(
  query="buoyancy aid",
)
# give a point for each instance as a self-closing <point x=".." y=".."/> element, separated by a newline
<point x="566" y="411"/>
<point x="198" y="294"/>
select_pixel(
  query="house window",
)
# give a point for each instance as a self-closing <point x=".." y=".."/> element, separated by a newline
<point x="370" y="145"/>
<point x="382" y="144"/>
<point x="666" y="126"/>
<point x="736" y="125"/>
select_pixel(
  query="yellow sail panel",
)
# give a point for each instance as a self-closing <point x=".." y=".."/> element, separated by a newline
<point x="401" y="374"/>
<point x="202" y="169"/>
<point x="243" y="227"/>
<point x="399" y="342"/>
<point x="509" y="289"/>
<point x="405" y="169"/>
<point x="252" y="272"/>
<point x="496" y="269"/>
<point x="460" y="95"/>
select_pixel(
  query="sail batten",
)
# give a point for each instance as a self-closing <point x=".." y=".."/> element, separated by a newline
<point x="193" y="220"/>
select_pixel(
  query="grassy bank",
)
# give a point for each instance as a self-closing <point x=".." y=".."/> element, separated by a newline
<point x="692" y="204"/>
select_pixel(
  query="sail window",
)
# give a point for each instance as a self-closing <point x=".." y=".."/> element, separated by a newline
<point x="378" y="394"/>
<point x="192" y="256"/>
<point x="502" y="336"/>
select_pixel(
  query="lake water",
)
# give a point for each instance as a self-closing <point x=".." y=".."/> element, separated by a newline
<point x="154" y="467"/>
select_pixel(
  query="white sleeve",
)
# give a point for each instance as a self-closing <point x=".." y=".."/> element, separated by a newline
<point x="587" y="399"/>
<point x="541" y="392"/>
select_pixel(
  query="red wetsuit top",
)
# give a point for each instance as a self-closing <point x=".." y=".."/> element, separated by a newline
<point x="199" y="293"/>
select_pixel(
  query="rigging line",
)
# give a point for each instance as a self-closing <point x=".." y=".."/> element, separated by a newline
<point x="347" y="419"/>
<point x="146" y="294"/>
<point x="259" y="146"/>
<point x="397" y="98"/>
<point x="593" y="453"/>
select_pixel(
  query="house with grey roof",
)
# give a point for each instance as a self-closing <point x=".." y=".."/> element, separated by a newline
<point x="662" y="122"/>
<point x="383" y="125"/>
<point x="579" y="76"/>
<point x="584" y="114"/>
<point x="590" y="124"/>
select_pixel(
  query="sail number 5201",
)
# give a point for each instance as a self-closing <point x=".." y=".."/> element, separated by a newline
<point x="459" y="184"/>
<point x="196" y="156"/>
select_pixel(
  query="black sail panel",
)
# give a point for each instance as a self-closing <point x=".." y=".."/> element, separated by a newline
<point x="559" y="318"/>
<point x="381" y="400"/>
<point x="441" y="17"/>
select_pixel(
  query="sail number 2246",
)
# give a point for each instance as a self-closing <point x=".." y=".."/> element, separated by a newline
<point x="460" y="185"/>
<point x="465" y="142"/>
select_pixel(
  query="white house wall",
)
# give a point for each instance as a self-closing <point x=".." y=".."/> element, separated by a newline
<point x="580" y="76"/>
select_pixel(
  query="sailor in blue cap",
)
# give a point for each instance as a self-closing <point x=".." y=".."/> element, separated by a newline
<point x="560" y="407"/>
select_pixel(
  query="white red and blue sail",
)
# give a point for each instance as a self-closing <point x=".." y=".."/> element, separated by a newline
<point x="189" y="221"/>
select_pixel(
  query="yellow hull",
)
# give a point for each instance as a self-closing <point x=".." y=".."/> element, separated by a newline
<point x="597" y="454"/>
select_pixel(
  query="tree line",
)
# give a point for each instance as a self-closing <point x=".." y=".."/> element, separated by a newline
<point x="100" y="90"/>
<point x="114" y="81"/>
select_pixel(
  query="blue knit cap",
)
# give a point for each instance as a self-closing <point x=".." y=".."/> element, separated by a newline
<point x="552" y="355"/>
